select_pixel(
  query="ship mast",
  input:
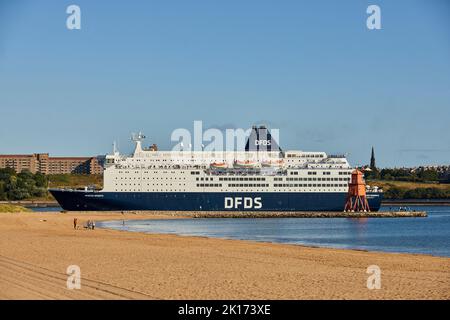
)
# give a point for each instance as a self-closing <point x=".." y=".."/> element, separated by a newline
<point x="137" y="138"/>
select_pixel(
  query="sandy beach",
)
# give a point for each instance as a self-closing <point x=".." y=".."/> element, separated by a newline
<point x="37" y="248"/>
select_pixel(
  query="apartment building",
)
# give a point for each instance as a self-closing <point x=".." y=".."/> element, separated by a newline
<point x="43" y="163"/>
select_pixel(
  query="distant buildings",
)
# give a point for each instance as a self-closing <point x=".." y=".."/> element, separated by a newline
<point x="43" y="163"/>
<point x="438" y="168"/>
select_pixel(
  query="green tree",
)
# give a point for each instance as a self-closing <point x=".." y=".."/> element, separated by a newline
<point x="5" y="173"/>
<point x="394" y="193"/>
<point x="428" y="175"/>
<point x="3" y="196"/>
<point x="41" y="180"/>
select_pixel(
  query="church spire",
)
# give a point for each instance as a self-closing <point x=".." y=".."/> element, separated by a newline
<point x="372" y="160"/>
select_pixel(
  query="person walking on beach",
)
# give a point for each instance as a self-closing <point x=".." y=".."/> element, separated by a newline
<point x="75" y="220"/>
<point x="93" y="225"/>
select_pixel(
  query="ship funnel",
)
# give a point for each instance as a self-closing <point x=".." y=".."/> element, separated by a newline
<point x="260" y="139"/>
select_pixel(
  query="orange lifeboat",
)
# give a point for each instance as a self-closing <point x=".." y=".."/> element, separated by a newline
<point x="273" y="163"/>
<point x="245" y="164"/>
<point x="219" y="165"/>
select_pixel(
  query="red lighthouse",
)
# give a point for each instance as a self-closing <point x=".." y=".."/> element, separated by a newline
<point x="356" y="197"/>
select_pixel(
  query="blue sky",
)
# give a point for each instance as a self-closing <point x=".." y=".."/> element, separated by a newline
<point x="310" y="68"/>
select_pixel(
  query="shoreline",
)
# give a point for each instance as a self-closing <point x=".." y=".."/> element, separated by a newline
<point x="292" y="214"/>
<point x="117" y="264"/>
<point x="248" y="214"/>
<point x="416" y="202"/>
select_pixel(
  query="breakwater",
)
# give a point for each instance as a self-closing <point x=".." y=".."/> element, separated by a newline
<point x="288" y="214"/>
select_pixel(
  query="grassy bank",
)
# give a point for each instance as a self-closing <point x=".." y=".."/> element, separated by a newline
<point x="12" y="208"/>
<point x="412" y="190"/>
<point x="72" y="181"/>
<point x="75" y="180"/>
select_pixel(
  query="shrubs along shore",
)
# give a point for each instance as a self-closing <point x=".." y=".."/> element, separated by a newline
<point x="13" y="208"/>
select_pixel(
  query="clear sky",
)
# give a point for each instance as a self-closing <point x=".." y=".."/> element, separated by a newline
<point x="310" y="68"/>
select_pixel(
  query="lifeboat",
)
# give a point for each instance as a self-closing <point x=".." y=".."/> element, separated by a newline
<point x="218" y="165"/>
<point x="273" y="163"/>
<point x="245" y="164"/>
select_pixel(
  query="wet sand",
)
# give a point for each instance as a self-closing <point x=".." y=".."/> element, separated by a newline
<point x="37" y="248"/>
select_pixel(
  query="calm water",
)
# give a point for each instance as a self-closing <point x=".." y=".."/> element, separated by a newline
<point x="46" y="209"/>
<point x="429" y="235"/>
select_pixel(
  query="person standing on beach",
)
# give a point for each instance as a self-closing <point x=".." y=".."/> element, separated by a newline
<point x="93" y="225"/>
<point x="75" y="220"/>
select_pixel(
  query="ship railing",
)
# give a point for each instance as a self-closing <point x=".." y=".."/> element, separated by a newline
<point x="328" y="165"/>
<point x="245" y="172"/>
<point x="336" y="156"/>
<point x="239" y="170"/>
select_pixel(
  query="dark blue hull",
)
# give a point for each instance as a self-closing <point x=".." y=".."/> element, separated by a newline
<point x="74" y="200"/>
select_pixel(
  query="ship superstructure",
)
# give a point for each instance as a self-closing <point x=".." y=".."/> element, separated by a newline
<point x="260" y="179"/>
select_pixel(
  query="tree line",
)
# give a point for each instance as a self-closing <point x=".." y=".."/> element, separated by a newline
<point x="23" y="185"/>
<point x="417" y="193"/>
<point x="403" y="174"/>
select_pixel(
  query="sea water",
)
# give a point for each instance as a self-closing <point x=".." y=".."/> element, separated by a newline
<point x="430" y="235"/>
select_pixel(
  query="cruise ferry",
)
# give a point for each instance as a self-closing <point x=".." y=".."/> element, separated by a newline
<point x="262" y="177"/>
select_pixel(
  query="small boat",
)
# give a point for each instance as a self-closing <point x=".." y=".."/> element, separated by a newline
<point x="273" y="163"/>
